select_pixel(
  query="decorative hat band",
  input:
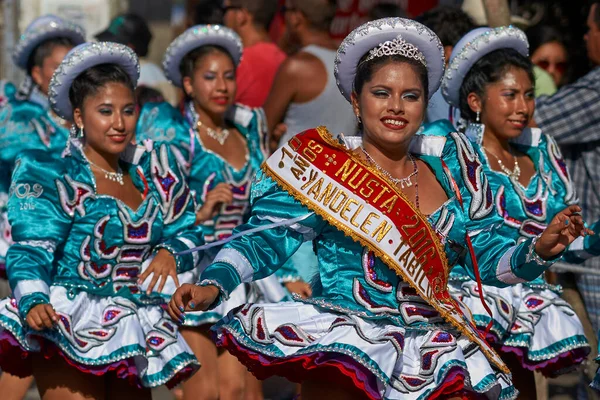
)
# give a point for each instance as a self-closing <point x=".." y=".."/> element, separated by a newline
<point x="397" y="47"/>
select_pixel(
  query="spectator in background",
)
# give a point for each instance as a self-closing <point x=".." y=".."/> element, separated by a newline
<point x="450" y="24"/>
<point x="251" y="19"/>
<point x="133" y="31"/>
<point x="548" y="51"/>
<point x="304" y="93"/>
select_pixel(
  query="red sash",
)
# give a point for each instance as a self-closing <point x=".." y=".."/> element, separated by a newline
<point x="362" y="203"/>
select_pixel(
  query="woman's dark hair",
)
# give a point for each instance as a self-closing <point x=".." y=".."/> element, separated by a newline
<point x="45" y="49"/>
<point x="90" y="81"/>
<point x="146" y="94"/>
<point x="539" y="35"/>
<point x="365" y="71"/>
<point x="490" y="69"/>
<point x="449" y="23"/>
<point x="191" y="59"/>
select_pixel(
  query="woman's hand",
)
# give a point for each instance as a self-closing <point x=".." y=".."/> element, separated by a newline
<point x="162" y="267"/>
<point x="301" y="288"/>
<point x="41" y="317"/>
<point x="191" y="297"/>
<point x="565" y="227"/>
<point x="220" y="195"/>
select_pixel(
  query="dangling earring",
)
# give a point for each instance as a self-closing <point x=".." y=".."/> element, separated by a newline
<point x="475" y="129"/>
<point x="76" y="132"/>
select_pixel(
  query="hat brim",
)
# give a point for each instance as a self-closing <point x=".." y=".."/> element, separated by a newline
<point x="195" y="37"/>
<point x="79" y="59"/>
<point x="31" y="41"/>
<point x="472" y="48"/>
<point x="372" y="34"/>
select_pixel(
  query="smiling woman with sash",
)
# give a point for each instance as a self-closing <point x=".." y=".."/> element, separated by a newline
<point x="388" y="212"/>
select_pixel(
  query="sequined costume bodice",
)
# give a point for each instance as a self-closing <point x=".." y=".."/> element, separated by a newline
<point x="89" y="241"/>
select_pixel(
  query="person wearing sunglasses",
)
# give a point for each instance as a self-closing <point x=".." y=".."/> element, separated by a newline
<point x="549" y="52"/>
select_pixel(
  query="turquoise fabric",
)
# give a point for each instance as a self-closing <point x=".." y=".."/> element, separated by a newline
<point x="526" y="211"/>
<point x="341" y="270"/>
<point x="24" y="125"/>
<point x="203" y="168"/>
<point x="68" y="235"/>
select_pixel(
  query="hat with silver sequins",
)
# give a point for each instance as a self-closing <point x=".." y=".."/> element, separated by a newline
<point x="41" y="29"/>
<point x="474" y="46"/>
<point x="83" y="57"/>
<point x="389" y="37"/>
<point x="195" y="37"/>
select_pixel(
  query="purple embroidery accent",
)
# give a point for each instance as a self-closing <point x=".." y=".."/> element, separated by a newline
<point x="166" y="182"/>
<point x="288" y="333"/>
<point x="180" y="202"/>
<point x="442" y="337"/>
<point x="65" y="322"/>
<point x="504" y="306"/>
<point x="427" y="358"/>
<point x="130" y="272"/>
<point x="398" y="338"/>
<point x="169" y="327"/>
<point x="534" y="207"/>
<point x="533" y="302"/>
<point x="411" y="311"/>
<point x="155" y="341"/>
<point x="110" y="315"/>
<point x="413" y="381"/>
<point x="137" y="232"/>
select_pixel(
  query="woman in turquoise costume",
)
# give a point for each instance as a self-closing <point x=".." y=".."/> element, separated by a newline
<point x="388" y="213"/>
<point x="490" y="79"/>
<point x="85" y="223"/>
<point x="220" y="146"/>
<point x="26" y="121"/>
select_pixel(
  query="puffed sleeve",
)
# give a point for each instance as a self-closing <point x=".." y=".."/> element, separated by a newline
<point x="41" y="219"/>
<point x="179" y="232"/>
<point x="257" y="255"/>
<point x="163" y="123"/>
<point x="500" y="260"/>
<point x="564" y="195"/>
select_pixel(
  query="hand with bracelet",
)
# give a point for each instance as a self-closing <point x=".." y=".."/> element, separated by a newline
<point x="565" y="227"/>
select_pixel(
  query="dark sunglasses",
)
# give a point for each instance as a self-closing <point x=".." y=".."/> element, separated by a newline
<point x="545" y="65"/>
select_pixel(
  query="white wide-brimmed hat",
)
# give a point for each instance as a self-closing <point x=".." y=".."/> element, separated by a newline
<point x="389" y="36"/>
<point x="41" y="29"/>
<point x="195" y="37"/>
<point x="79" y="59"/>
<point x="471" y="48"/>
